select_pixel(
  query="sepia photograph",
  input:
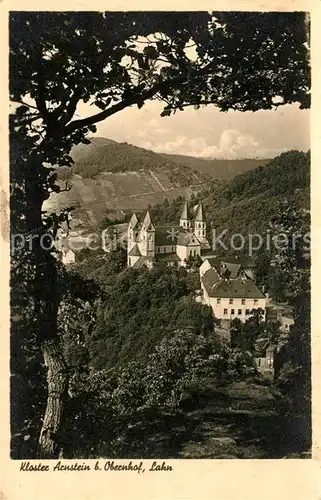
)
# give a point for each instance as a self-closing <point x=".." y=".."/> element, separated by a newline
<point x="159" y="236"/>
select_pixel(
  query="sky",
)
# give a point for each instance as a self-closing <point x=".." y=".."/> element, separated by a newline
<point x="207" y="132"/>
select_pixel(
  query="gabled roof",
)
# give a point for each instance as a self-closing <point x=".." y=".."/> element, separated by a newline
<point x="134" y="252"/>
<point x="134" y="222"/>
<point x="233" y="269"/>
<point x="147" y="222"/>
<point x="209" y="279"/>
<point x="200" y="215"/>
<point x="230" y="288"/>
<point x="187" y="239"/>
<point x="233" y="263"/>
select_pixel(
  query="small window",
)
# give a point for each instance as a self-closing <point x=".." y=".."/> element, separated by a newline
<point x="247" y="312"/>
<point x="243" y="302"/>
<point x="239" y="311"/>
<point x="225" y="311"/>
<point x="231" y="301"/>
<point x="218" y="301"/>
<point x="232" y="311"/>
<point x="256" y="302"/>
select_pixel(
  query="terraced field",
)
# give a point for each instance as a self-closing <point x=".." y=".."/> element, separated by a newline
<point x="115" y="176"/>
<point x="124" y="191"/>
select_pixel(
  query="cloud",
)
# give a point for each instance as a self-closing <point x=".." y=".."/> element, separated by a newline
<point x="172" y="135"/>
<point x="232" y="144"/>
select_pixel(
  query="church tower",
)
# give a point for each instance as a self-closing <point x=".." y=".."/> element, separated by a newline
<point x="132" y="232"/>
<point x="200" y="224"/>
<point x="147" y="237"/>
<point x="185" y="221"/>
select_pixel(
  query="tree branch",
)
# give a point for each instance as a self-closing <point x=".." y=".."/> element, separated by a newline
<point x="25" y="104"/>
<point x="112" y="110"/>
<point x="134" y="99"/>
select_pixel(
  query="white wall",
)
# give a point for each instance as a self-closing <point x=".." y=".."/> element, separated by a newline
<point x="185" y="252"/>
<point x="220" y="305"/>
<point x="204" y="267"/>
<point x="68" y="257"/>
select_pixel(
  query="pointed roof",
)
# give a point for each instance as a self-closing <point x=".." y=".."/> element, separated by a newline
<point x="185" y="214"/>
<point x="200" y="214"/>
<point x="147" y="222"/>
<point x="135" y="252"/>
<point x="187" y="239"/>
<point x="133" y="221"/>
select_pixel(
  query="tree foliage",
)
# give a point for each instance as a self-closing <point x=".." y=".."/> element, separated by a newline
<point x="113" y="61"/>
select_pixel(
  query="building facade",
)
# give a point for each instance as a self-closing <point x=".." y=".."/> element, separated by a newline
<point x="229" y="289"/>
<point x="173" y="244"/>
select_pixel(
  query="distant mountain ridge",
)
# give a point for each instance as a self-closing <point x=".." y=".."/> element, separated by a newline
<point x="108" y="175"/>
<point x="106" y="155"/>
<point x="221" y="168"/>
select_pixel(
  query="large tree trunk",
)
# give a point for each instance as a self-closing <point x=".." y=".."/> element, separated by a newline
<point x="57" y="379"/>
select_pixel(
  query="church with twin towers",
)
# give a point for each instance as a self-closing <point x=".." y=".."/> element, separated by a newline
<point x="174" y="244"/>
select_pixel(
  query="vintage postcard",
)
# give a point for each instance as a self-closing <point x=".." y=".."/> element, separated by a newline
<point x="159" y="229"/>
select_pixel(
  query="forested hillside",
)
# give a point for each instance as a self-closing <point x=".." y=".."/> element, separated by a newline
<point x="139" y="309"/>
<point x="105" y="155"/>
<point x="247" y="202"/>
<point x="221" y="168"/>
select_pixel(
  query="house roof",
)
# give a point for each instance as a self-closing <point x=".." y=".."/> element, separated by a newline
<point x="233" y="269"/>
<point x="235" y="266"/>
<point x="209" y="279"/>
<point x="134" y="252"/>
<point x="167" y="235"/>
<point x="237" y="288"/>
<point x="230" y="288"/>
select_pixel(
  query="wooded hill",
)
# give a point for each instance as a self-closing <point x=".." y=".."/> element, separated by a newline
<point x="119" y="176"/>
<point x="247" y="202"/>
<point x="216" y="167"/>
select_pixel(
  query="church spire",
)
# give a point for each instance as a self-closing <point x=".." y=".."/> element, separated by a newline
<point x="133" y="221"/>
<point x="200" y="223"/>
<point x="200" y="213"/>
<point x="185" y="221"/>
<point x="147" y="222"/>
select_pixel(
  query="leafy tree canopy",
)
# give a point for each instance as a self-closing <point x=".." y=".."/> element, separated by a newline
<point x="242" y="61"/>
